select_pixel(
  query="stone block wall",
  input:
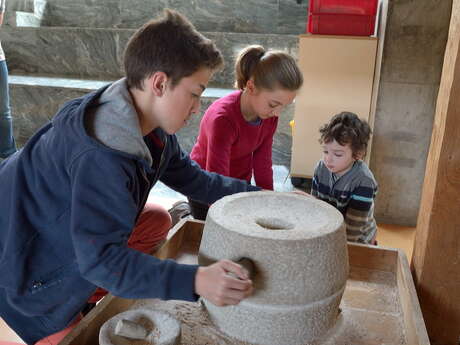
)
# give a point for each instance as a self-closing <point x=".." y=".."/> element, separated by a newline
<point x="250" y="16"/>
<point x="97" y="53"/>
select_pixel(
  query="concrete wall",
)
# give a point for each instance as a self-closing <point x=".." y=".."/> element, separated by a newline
<point x="416" y="36"/>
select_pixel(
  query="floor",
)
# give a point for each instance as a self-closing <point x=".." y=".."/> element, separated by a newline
<point x="391" y="236"/>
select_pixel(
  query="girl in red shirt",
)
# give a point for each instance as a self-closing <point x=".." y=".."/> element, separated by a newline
<point x="236" y="132"/>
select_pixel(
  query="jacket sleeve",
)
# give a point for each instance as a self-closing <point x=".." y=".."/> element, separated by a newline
<point x="104" y="209"/>
<point x="185" y="176"/>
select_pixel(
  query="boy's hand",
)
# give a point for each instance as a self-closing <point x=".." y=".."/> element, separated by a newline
<point x="223" y="283"/>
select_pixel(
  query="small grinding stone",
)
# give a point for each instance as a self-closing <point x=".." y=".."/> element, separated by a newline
<point x="141" y="326"/>
<point x="130" y="329"/>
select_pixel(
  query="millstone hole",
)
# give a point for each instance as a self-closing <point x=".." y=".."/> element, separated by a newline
<point x="271" y="223"/>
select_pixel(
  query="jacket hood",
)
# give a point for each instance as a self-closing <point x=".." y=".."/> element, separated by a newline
<point x="114" y="122"/>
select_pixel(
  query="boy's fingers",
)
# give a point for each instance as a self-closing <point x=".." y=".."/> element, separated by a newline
<point x="231" y="282"/>
<point x="237" y="270"/>
<point x="231" y="296"/>
<point x="223" y="283"/>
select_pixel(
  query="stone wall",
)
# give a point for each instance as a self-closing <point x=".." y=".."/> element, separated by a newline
<point x="249" y="16"/>
<point x="97" y="53"/>
<point x="413" y="54"/>
<point x="35" y="103"/>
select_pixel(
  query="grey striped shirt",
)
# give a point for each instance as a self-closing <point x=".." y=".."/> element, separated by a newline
<point x="353" y="195"/>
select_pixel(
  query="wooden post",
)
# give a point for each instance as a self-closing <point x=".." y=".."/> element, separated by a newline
<point x="436" y="256"/>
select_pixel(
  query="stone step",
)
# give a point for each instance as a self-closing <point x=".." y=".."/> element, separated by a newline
<point x="21" y="5"/>
<point x="35" y="99"/>
<point x="21" y="19"/>
<point x="97" y="53"/>
<point x="274" y="16"/>
<point x="22" y="13"/>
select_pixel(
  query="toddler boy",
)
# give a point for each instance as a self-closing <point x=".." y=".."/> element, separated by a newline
<point x="343" y="180"/>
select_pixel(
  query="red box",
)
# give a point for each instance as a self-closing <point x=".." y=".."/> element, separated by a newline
<point x="356" y="7"/>
<point x="341" y="24"/>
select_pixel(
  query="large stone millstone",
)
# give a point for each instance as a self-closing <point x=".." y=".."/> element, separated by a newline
<point x="298" y="245"/>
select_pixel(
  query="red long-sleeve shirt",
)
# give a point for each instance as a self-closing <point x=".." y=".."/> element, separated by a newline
<point x="229" y="145"/>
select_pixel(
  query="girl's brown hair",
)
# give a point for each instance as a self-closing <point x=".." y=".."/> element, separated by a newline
<point x="269" y="69"/>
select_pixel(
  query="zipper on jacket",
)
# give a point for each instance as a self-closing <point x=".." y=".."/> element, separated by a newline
<point x="157" y="175"/>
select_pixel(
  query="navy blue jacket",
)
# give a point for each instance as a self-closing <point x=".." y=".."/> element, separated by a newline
<point x="68" y="207"/>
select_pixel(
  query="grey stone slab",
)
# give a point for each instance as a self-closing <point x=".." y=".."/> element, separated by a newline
<point x="282" y="145"/>
<point x="88" y="13"/>
<point x="402" y="135"/>
<point x="18" y="19"/>
<point x="39" y="8"/>
<point x="76" y="52"/>
<point x="84" y="85"/>
<point x="97" y="53"/>
<point x="32" y="107"/>
<point x="20" y="5"/>
<point x="253" y="16"/>
<point x="134" y="14"/>
<point x="415" y="41"/>
<point x="229" y="15"/>
<point x="35" y="100"/>
<point x="24" y="13"/>
<point x="292" y="17"/>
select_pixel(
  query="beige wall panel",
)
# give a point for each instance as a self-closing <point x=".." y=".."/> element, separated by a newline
<point x="338" y="75"/>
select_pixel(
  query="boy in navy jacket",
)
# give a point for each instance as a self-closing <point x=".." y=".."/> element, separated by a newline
<point x="72" y="196"/>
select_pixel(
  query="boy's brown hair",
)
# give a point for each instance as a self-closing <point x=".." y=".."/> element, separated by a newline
<point x="170" y="44"/>
<point x="347" y="128"/>
<point x="269" y="69"/>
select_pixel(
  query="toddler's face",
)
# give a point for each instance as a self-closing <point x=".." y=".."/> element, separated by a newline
<point x="338" y="158"/>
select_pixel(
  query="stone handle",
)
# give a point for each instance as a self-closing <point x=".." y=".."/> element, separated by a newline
<point x="131" y="330"/>
<point x="247" y="263"/>
<point x="249" y="266"/>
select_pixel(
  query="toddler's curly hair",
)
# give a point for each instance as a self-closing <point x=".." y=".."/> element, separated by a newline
<point x="347" y="128"/>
